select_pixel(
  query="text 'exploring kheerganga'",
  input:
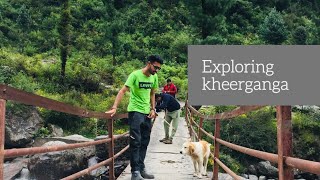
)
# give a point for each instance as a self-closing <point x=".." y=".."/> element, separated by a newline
<point x="248" y="86"/>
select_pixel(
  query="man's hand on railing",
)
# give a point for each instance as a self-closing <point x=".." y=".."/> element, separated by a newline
<point x="112" y="111"/>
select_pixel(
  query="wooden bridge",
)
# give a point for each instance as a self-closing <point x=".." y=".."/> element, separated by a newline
<point x="163" y="160"/>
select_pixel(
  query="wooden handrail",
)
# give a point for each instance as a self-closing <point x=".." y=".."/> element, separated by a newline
<point x="9" y="153"/>
<point x="305" y="165"/>
<point x="9" y="93"/>
<point x="226" y="115"/>
<point x="2" y="134"/>
<point x="229" y="171"/>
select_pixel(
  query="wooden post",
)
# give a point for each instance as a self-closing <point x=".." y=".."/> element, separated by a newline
<point x="187" y="117"/>
<point x="216" y="149"/>
<point x="284" y="138"/>
<point x="191" y="126"/>
<point x="2" y="129"/>
<point x="111" y="149"/>
<point x="199" y="130"/>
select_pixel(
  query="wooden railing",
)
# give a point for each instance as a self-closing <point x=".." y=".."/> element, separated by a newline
<point x="9" y="93"/>
<point x="285" y="162"/>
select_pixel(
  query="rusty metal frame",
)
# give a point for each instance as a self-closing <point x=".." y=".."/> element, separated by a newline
<point x="9" y="93"/>
<point x="2" y="134"/>
<point x="199" y="127"/>
<point x="36" y="150"/>
<point x="216" y="149"/>
<point x="284" y="136"/>
<point x="111" y="150"/>
<point x="226" y="115"/>
<point x="284" y="140"/>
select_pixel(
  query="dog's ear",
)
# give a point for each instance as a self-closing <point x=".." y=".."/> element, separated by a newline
<point x="191" y="148"/>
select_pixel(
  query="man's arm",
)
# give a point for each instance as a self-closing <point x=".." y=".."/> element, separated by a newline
<point x="174" y="89"/>
<point x="152" y="113"/>
<point x="120" y="94"/>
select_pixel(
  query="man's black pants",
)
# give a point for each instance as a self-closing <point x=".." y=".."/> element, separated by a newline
<point x="140" y="129"/>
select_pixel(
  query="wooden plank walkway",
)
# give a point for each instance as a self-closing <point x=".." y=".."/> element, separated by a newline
<point x="165" y="160"/>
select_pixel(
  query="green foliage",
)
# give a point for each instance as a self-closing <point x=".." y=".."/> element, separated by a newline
<point x="102" y="42"/>
<point x="273" y="29"/>
<point x="231" y="163"/>
<point x="179" y="47"/>
<point x="255" y="130"/>
<point x="65" y="33"/>
<point x="300" y="35"/>
<point x="24" y="19"/>
<point x="42" y="132"/>
<point x="122" y="71"/>
<point x="178" y="76"/>
<point x="306" y="134"/>
<point x="71" y="124"/>
<point x="6" y="74"/>
<point x="23" y="82"/>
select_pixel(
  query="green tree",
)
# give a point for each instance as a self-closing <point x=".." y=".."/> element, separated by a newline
<point x="300" y="36"/>
<point x="207" y="15"/>
<point x="273" y="29"/>
<point x="24" y="22"/>
<point x="113" y="27"/>
<point x="65" y="33"/>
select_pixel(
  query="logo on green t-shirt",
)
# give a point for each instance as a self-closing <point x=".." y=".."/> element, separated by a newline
<point x="145" y="85"/>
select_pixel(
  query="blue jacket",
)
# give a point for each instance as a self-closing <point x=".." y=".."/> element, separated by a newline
<point x="168" y="102"/>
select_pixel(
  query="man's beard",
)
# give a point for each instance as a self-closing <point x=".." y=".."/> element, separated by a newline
<point x="151" y="71"/>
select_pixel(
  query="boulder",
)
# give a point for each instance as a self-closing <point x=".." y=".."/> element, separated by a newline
<point x="265" y="168"/>
<point x="253" y="177"/>
<point x="56" y="165"/>
<point x="252" y="170"/>
<point x="102" y="149"/>
<point x="97" y="172"/>
<point x="224" y="176"/>
<point x="12" y="169"/>
<point x="262" y="178"/>
<point x="55" y="130"/>
<point x="22" y="123"/>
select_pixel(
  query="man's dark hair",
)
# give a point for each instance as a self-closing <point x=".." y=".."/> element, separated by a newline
<point x="155" y="58"/>
<point x="157" y="95"/>
<point x="168" y="80"/>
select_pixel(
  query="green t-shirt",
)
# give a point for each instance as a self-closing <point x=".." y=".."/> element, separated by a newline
<point x="140" y="87"/>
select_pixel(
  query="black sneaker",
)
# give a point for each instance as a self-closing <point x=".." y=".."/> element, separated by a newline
<point x="161" y="140"/>
<point x="145" y="175"/>
<point x="136" y="176"/>
<point x="168" y="141"/>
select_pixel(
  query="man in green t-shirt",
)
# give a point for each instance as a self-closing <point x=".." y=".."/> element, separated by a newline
<point x="142" y="85"/>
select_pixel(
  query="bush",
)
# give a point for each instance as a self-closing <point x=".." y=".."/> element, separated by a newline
<point x="42" y="132"/>
<point x="6" y="74"/>
<point x="306" y="134"/>
<point x="255" y="130"/>
<point x="122" y="72"/>
<point x="178" y="74"/>
<point x="23" y="82"/>
<point x="231" y="163"/>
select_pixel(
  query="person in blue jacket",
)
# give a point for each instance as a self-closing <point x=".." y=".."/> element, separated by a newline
<point x="172" y="108"/>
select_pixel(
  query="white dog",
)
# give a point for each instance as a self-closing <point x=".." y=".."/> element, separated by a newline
<point x="199" y="153"/>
